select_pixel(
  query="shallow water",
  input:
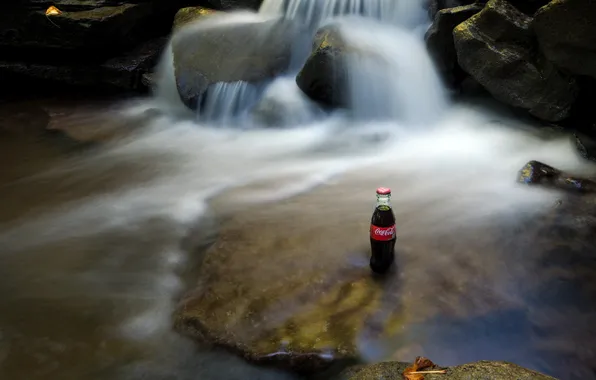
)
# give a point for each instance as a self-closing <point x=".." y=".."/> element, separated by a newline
<point x="95" y="246"/>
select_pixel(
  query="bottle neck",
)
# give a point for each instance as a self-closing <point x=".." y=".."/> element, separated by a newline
<point x="383" y="200"/>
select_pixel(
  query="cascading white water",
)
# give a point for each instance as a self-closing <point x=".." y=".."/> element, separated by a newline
<point x="315" y="12"/>
<point x="391" y="75"/>
<point x="226" y="101"/>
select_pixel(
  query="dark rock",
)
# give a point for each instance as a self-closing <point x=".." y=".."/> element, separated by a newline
<point x="439" y="41"/>
<point x="437" y="5"/>
<point x="586" y="145"/>
<point x="83" y="35"/>
<point x="498" y="49"/>
<point x="528" y="7"/>
<point x="120" y="73"/>
<point x="189" y="14"/>
<point x="566" y="32"/>
<point x="324" y="77"/>
<point x="482" y="370"/>
<point x="537" y="173"/>
<point x="213" y="52"/>
<point x="235" y="4"/>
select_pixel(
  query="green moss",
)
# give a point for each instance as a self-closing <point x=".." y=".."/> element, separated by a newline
<point x="187" y="15"/>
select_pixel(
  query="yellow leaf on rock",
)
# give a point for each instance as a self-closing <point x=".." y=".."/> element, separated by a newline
<point x="53" y="11"/>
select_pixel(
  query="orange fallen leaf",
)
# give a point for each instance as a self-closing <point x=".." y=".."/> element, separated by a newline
<point x="53" y="11"/>
<point x="415" y="371"/>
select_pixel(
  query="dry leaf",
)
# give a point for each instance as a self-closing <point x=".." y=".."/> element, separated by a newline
<point x="415" y="371"/>
<point x="53" y="11"/>
<point x="423" y="362"/>
<point x="410" y="373"/>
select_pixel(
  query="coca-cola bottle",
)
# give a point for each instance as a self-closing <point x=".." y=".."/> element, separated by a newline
<point x="382" y="233"/>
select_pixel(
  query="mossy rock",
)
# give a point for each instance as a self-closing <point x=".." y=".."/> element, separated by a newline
<point x="324" y="77"/>
<point x="252" y="50"/>
<point x="482" y="370"/>
<point x="497" y="48"/>
<point x="189" y="14"/>
<point x="439" y="41"/>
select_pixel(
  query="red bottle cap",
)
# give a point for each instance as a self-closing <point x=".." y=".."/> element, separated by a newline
<point x="383" y="191"/>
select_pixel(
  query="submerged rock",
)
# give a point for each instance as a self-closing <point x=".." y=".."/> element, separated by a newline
<point x="497" y="48"/>
<point x="284" y="285"/>
<point x="250" y="50"/>
<point x="439" y="41"/>
<point x="566" y="32"/>
<point x="324" y="77"/>
<point x="473" y="371"/>
<point x="537" y="173"/>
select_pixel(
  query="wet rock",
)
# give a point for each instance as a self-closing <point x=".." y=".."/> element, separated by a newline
<point x="472" y="371"/>
<point x="566" y="33"/>
<point x="253" y="51"/>
<point x="586" y="145"/>
<point x="538" y="173"/>
<point x="275" y="289"/>
<point x="497" y="48"/>
<point x="235" y="4"/>
<point x="324" y="77"/>
<point x="439" y="41"/>
<point x="438" y="5"/>
<point x="187" y="15"/>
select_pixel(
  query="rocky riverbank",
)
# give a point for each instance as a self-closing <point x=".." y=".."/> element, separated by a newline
<point x="102" y="45"/>
<point x="534" y="55"/>
<point x="531" y="55"/>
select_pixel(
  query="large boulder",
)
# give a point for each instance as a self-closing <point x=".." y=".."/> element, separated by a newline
<point x="439" y="41"/>
<point x="472" y="371"/>
<point x="245" y="48"/>
<point x="566" y="32"/>
<point x="497" y="48"/>
<point x="324" y="76"/>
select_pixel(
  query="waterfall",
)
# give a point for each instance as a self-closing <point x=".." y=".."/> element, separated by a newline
<point x="394" y="80"/>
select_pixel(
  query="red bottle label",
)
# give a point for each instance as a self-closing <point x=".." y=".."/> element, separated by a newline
<point x="382" y="233"/>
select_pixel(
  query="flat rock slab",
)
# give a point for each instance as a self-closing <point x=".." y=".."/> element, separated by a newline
<point x="482" y="370"/>
<point x="289" y="282"/>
